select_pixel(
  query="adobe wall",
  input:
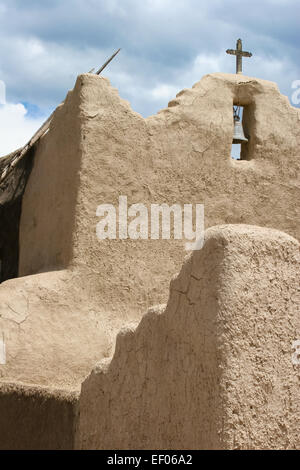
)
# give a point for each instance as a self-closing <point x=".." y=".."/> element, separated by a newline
<point x="36" y="418"/>
<point x="98" y="148"/>
<point x="53" y="330"/>
<point x="212" y="370"/>
<point x="48" y="206"/>
<point x="77" y="292"/>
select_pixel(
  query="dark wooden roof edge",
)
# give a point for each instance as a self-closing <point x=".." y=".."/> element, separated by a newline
<point x="7" y="163"/>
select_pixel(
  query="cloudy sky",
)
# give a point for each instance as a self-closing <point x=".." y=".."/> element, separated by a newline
<point x="166" y="45"/>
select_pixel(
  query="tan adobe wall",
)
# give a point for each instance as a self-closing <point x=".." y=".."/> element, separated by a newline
<point x="213" y="370"/>
<point x="78" y="292"/>
<point x="98" y="149"/>
<point x="36" y="418"/>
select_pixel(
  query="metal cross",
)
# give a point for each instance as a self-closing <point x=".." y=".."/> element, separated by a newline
<point x="239" y="53"/>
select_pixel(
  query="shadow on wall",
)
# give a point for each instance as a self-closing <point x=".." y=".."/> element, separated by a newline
<point x="11" y="195"/>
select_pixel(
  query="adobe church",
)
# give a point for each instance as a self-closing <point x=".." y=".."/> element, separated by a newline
<point x="137" y="344"/>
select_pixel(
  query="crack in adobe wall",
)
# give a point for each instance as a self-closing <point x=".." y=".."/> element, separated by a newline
<point x="197" y="373"/>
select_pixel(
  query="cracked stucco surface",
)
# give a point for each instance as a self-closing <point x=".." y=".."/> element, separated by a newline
<point x="77" y="292"/>
<point x="213" y="368"/>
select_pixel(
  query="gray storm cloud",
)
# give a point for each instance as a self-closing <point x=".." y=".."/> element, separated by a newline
<point x="166" y="45"/>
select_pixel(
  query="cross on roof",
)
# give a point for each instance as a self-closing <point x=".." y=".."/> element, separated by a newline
<point x="239" y="53"/>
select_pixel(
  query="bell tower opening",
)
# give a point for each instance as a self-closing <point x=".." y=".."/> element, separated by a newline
<point x="236" y="150"/>
<point x="240" y="141"/>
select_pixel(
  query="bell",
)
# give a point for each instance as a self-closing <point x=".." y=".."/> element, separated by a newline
<point x="238" y="132"/>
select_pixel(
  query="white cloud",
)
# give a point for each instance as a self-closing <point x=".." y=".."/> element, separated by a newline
<point x="2" y="92"/>
<point x="15" y="128"/>
<point x="35" y="48"/>
<point x="164" y="92"/>
<point x="167" y="45"/>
